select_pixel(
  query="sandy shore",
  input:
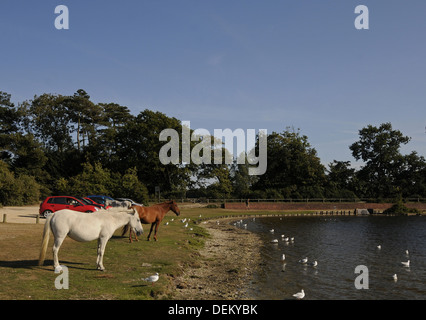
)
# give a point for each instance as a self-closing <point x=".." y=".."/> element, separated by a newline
<point x="227" y="263"/>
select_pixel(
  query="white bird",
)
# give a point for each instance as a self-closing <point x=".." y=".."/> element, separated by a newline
<point x="271" y="231"/>
<point x="304" y="260"/>
<point x="406" y="252"/>
<point x="275" y="241"/>
<point x="299" y="295"/>
<point x="283" y="257"/>
<point x="379" y="246"/>
<point x="186" y="225"/>
<point x="167" y="223"/>
<point x="283" y="235"/>
<point x="285" y="239"/>
<point x="313" y="264"/>
<point x="406" y="264"/>
<point x="395" y="277"/>
<point x="153" y="278"/>
<point x="292" y="239"/>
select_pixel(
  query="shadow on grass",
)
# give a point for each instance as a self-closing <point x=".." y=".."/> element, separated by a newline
<point x="31" y="264"/>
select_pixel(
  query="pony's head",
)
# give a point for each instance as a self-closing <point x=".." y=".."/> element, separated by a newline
<point x="135" y="222"/>
<point x="174" y="207"/>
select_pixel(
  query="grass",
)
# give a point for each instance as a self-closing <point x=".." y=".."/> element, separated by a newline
<point x="126" y="264"/>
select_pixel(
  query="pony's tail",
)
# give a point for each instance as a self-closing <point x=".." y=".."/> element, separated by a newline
<point x="125" y="229"/>
<point x="45" y="242"/>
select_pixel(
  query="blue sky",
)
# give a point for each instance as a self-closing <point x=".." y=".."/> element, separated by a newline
<point x="231" y="64"/>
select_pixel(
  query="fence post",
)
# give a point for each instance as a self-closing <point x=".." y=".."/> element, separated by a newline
<point x="4" y="218"/>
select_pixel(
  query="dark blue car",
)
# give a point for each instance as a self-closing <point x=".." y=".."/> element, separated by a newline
<point x="100" y="199"/>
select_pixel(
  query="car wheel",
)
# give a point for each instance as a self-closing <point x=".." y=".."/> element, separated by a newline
<point x="88" y="211"/>
<point x="47" y="213"/>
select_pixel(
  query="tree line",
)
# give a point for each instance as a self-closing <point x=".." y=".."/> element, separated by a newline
<point x="55" y="144"/>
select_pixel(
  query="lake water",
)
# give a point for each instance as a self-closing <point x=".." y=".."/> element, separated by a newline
<point x="339" y="244"/>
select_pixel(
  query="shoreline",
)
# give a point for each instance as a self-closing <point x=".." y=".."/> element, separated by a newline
<point x="226" y="265"/>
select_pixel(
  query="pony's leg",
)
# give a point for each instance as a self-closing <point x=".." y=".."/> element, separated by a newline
<point x="98" y="257"/>
<point x="156" y="228"/>
<point x="56" y="245"/>
<point x="130" y="235"/>
<point x="150" y="231"/>
<point x="101" y="249"/>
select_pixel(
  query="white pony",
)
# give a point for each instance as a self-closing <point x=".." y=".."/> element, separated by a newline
<point x="83" y="227"/>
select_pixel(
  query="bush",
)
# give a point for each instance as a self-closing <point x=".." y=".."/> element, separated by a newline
<point x="97" y="180"/>
<point x="19" y="190"/>
<point x="400" y="208"/>
<point x="131" y="187"/>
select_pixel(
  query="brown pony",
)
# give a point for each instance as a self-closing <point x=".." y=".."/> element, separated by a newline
<point x="154" y="215"/>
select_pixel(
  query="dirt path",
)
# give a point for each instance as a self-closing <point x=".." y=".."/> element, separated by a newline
<point x="228" y="260"/>
<point x="25" y="214"/>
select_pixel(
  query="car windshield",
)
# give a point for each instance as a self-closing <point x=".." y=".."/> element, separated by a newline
<point x="85" y="201"/>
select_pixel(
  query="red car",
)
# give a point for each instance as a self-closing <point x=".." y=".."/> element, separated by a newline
<point x="55" y="203"/>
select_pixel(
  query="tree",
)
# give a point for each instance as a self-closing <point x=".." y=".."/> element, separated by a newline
<point x="139" y="146"/>
<point x="19" y="148"/>
<point x="341" y="180"/>
<point x="94" y="179"/>
<point x="293" y="167"/>
<point x="9" y="115"/>
<point x="131" y="187"/>
<point x="242" y="182"/>
<point x="411" y="176"/>
<point x="9" y="119"/>
<point x="82" y="112"/>
<point x="379" y="148"/>
<point x="112" y="134"/>
<point x="17" y="190"/>
<point x="51" y="122"/>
